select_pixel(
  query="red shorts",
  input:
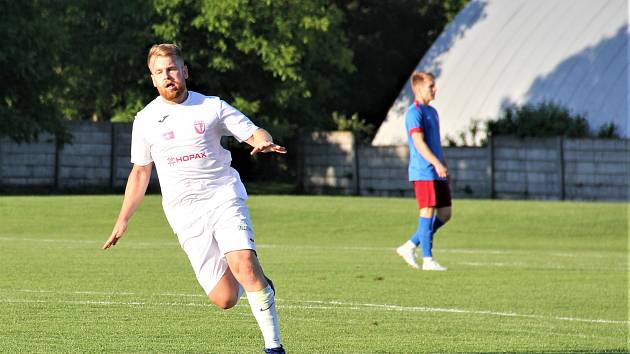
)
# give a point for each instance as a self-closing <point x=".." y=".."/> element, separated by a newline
<point x="432" y="194"/>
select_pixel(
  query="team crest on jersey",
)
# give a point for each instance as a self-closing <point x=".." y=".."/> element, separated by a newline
<point x="168" y="135"/>
<point x="200" y="127"/>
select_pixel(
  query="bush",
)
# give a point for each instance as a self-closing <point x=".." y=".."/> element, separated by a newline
<point x="608" y="131"/>
<point x="359" y="127"/>
<point x="539" y="120"/>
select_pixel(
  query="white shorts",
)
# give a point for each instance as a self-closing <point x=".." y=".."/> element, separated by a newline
<point x="226" y="228"/>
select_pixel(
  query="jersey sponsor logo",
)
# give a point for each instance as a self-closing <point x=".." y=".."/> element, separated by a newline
<point x="190" y="157"/>
<point x="163" y="118"/>
<point x="200" y="126"/>
<point x="168" y="135"/>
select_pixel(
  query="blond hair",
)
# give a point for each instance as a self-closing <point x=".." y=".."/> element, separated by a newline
<point x="164" y="50"/>
<point x="420" y="77"/>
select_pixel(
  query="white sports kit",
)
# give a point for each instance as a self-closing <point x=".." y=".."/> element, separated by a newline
<point x="202" y="196"/>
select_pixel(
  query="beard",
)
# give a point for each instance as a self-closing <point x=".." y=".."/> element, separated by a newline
<point x="173" y="94"/>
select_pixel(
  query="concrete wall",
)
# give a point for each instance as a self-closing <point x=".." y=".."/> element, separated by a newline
<point x="28" y="164"/>
<point x="333" y="163"/>
<point x="553" y="168"/>
<point x="98" y="158"/>
<point x="87" y="162"/>
<point x="597" y="169"/>
<point x="330" y="163"/>
<point x="527" y="168"/>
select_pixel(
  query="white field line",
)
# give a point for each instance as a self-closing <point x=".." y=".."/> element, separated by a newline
<point x="536" y="265"/>
<point x="302" y="304"/>
<point x="174" y="243"/>
<point x="87" y="242"/>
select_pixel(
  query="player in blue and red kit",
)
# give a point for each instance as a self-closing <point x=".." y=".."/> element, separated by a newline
<point x="427" y="171"/>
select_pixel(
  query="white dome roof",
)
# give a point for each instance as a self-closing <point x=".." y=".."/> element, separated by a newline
<point x="501" y="52"/>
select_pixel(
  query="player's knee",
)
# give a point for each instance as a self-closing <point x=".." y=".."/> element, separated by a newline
<point x="223" y="301"/>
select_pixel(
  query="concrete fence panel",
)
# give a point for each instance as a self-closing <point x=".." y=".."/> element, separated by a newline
<point x="509" y="167"/>
<point x="334" y="163"/>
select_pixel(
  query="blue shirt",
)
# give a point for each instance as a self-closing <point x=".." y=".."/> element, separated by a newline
<point x="424" y="119"/>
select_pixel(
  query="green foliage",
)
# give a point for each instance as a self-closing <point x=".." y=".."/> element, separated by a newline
<point x="272" y="53"/>
<point x="608" y="131"/>
<point x="539" y="120"/>
<point x="104" y="59"/>
<point x="288" y="63"/>
<point x="470" y="137"/>
<point x="388" y="38"/>
<point x="31" y="35"/>
<point x="359" y="127"/>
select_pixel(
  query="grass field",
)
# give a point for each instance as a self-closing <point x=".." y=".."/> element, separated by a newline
<point x="524" y="277"/>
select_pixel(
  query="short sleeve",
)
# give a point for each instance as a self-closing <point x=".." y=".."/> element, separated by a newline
<point x="413" y="121"/>
<point x="235" y="123"/>
<point x="140" y="149"/>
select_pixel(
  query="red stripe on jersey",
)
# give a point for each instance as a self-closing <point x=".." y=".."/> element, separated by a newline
<point x="414" y="130"/>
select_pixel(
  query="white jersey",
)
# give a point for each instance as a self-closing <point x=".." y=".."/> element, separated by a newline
<point x="184" y="142"/>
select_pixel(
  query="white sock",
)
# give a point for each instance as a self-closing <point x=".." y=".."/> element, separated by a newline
<point x="263" y="307"/>
<point x="427" y="259"/>
<point x="409" y="245"/>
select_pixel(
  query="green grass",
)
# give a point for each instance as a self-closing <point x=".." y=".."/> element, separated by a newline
<point x="524" y="277"/>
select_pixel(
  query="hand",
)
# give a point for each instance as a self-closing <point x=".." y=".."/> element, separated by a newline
<point x="117" y="232"/>
<point x="268" y="146"/>
<point x="441" y="170"/>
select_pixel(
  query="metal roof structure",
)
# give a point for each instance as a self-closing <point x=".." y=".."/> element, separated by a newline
<point x="497" y="53"/>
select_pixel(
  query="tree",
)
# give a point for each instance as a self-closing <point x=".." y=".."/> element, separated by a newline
<point x="278" y="61"/>
<point x="289" y="64"/>
<point x="388" y="38"/>
<point x="104" y="61"/>
<point x="31" y="36"/>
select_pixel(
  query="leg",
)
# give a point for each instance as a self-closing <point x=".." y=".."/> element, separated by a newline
<point x="426" y="200"/>
<point x="226" y="293"/>
<point x="245" y="268"/>
<point x="444" y="214"/>
<point x="425" y="230"/>
<point x="234" y="234"/>
<point x="247" y="271"/>
<point x="211" y="267"/>
<point x="441" y="217"/>
<point x="443" y="204"/>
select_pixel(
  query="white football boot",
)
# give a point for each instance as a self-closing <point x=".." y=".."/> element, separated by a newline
<point x="408" y="252"/>
<point x="430" y="264"/>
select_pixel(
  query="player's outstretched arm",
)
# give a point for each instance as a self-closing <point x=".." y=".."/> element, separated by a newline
<point x="137" y="184"/>
<point x="261" y="141"/>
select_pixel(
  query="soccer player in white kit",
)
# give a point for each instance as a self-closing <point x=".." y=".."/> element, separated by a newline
<point x="202" y="196"/>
